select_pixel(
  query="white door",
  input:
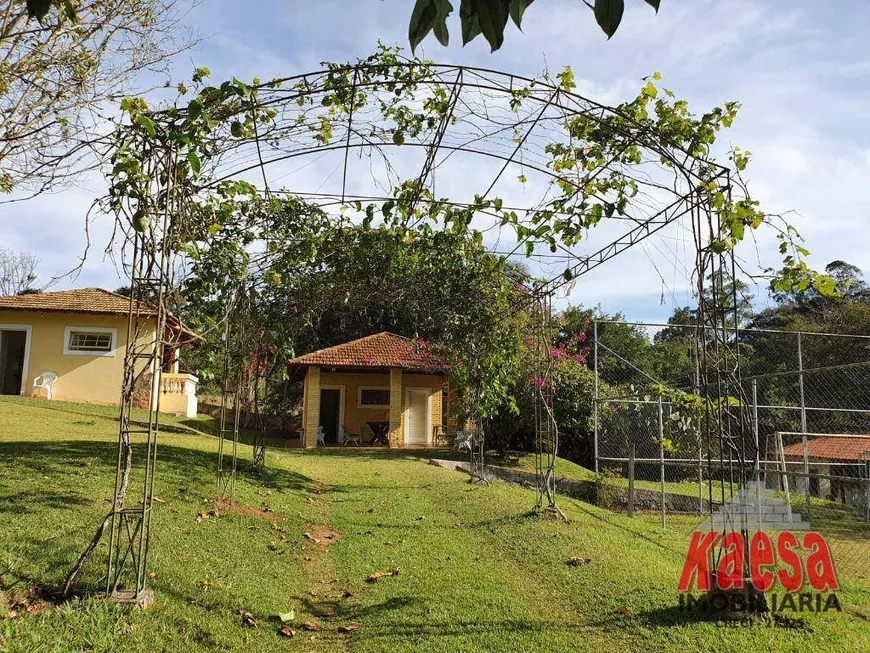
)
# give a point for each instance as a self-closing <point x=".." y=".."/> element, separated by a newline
<point x="417" y="416"/>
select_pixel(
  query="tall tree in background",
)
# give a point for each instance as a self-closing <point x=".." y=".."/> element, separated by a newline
<point x="61" y="64"/>
<point x="17" y="272"/>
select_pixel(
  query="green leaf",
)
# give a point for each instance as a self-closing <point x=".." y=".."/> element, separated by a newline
<point x="70" y="11"/>
<point x="236" y="129"/>
<point x="422" y="21"/>
<point x="492" y="16"/>
<point x="195" y="163"/>
<point x="38" y="9"/>
<point x="517" y="9"/>
<point x="440" y="28"/>
<point x="470" y="23"/>
<point x="650" y="90"/>
<point x="146" y="123"/>
<point x="608" y="15"/>
<point x="654" y="4"/>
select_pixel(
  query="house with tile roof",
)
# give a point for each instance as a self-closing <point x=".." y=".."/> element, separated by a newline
<point x="79" y="338"/>
<point x="382" y="388"/>
<point x="839" y="467"/>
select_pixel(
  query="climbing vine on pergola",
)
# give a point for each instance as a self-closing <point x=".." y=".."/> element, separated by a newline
<point x="504" y="161"/>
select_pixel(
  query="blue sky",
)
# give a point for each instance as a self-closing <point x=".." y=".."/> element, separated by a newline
<point x="801" y="70"/>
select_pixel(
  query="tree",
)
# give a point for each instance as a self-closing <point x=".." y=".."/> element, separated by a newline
<point x="847" y="281"/>
<point x="17" y="272"/>
<point x="490" y="18"/>
<point x="60" y="68"/>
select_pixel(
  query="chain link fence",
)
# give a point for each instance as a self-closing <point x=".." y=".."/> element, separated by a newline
<point x="803" y="439"/>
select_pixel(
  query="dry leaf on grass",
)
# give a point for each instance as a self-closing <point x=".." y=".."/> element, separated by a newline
<point x="309" y="536"/>
<point x="375" y="577"/>
<point x="159" y="500"/>
<point x="349" y="628"/>
<point x="310" y="626"/>
<point x="577" y="561"/>
<point x="248" y="619"/>
<point x="287" y="616"/>
<point x="623" y="609"/>
<point x="287" y="631"/>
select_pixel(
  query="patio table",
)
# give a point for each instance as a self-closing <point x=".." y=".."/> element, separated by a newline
<point x="380" y="429"/>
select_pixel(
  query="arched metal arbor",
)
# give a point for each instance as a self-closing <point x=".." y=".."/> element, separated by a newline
<point x="536" y="165"/>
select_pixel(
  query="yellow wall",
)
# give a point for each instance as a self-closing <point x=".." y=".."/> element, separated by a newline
<point x="354" y="415"/>
<point x="95" y="379"/>
<point x="311" y="406"/>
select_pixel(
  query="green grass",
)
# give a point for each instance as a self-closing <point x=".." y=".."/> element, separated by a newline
<point x="479" y="571"/>
<point x="567" y="469"/>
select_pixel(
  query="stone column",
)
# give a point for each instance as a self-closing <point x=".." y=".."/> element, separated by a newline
<point x="397" y="401"/>
<point x="312" y="404"/>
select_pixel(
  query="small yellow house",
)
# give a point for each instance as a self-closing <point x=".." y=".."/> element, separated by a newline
<point x="78" y="338"/>
<point x="380" y="382"/>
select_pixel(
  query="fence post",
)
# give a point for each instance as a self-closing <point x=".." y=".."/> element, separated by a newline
<point x="755" y="429"/>
<point x="783" y="475"/>
<point x="803" y="423"/>
<point x="801" y="384"/>
<point x="806" y="472"/>
<point x="700" y="472"/>
<point x="662" y="457"/>
<point x="631" y="480"/>
<point x="595" y="395"/>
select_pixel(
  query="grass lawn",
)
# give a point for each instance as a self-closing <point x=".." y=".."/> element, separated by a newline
<point x="479" y="571"/>
<point x="567" y="469"/>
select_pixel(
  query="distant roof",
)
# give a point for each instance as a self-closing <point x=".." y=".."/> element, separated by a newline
<point x="94" y="301"/>
<point x="380" y="350"/>
<point x="81" y="300"/>
<point x="841" y="447"/>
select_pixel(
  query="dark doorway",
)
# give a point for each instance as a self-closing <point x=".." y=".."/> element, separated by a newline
<point x="12" y="344"/>
<point x="330" y="404"/>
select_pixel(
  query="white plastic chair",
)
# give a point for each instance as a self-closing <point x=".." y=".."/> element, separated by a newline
<point x="348" y="437"/>
<point x="321" y="437"/>
<point x="45" y="381"/>
<point x="463" y="441"/>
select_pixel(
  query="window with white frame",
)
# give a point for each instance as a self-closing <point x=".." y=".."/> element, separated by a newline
<point x="374" y="397"/>
<point x="89" y="341"/>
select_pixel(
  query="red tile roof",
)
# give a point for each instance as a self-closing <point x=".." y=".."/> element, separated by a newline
<point x="827" y="447"/>
<point x="380" y="350"/>
<point x="81" y="300"/>
<point x="95" y="301"/>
